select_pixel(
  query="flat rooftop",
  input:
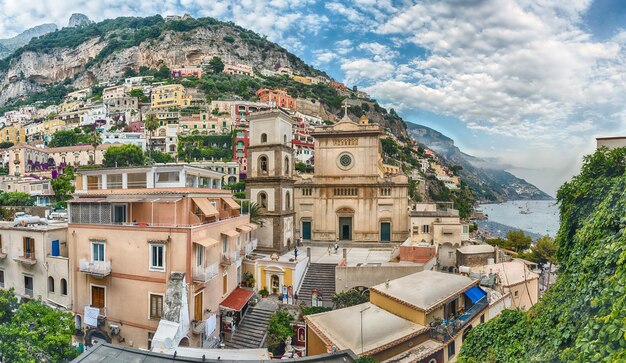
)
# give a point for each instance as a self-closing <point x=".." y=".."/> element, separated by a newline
<point x="51" y="226"/>
<point x="476" y="249"/>
<point x="343" y="328"/>
<point x="510" y="273"/>
<point x="380" y="256"/>
<point x="425" y="290"/>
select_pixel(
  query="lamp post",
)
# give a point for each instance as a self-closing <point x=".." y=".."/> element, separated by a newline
<point x="361" y="312"/>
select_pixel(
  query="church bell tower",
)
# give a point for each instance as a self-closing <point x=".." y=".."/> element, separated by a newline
<point x="270" y="180"/>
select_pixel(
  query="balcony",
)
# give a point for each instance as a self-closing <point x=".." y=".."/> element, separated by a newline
<point x="204" y="274"/>
<point x="226" y="260"/>
<point x="98" y="269"/>
<point x="197" y="327"/>
<point x="447" y="329"/>
<point x="27" y="259"/>
<point x="3" y="255"/>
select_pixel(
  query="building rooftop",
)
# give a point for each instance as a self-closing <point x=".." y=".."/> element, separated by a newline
<point x="152" y="191"/>
<point x="437" y="213"/>
<point x="118" y="354"/>
<point x="510" y="273"/>
<point x="51" y="226"/>
<point x="380" y="328"/>
<point x="475" y="249"/>
<point x="425" y="290"/>
<point x="417" y="353"/>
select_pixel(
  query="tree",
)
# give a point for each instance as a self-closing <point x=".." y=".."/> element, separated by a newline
<point x="63" y="185"/>
<point x="16" y="199"/>
<point x="124" y="155"/>
<point x="138" y="92"/>
<point x="160" y="157"/>
<point x="163" y="72"/>
<point x="216" y="65"/>
<point x="349" y="298"/>
<point x="63" y="138"/>
<point x="34" y="332"/>
<point x="95" y="140"/>
<point x="544" y="252"/>
<point x="278" y="330"/>
<point x="256" y="214"/>
<point x="150" y="123"/>
<point x="517" y="240"/>
<point x="5" y="144"/>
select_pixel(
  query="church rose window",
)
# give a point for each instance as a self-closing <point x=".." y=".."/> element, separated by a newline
<point x="345" y="160"/>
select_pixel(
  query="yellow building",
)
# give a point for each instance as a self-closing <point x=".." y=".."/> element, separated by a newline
<point x="302" y="79"/>
<point x="172" y="95"/>
<point x="46" y="127"/>
<point x="278" y="274"/>
<point x="12" y="134"/>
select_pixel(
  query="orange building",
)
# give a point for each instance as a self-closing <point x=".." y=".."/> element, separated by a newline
<point x="276" y="98"/>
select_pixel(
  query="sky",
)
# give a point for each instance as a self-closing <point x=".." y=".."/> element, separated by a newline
<point x="528" y="84"/>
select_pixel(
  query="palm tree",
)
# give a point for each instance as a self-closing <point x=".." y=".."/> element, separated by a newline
<point x="256" y="214"/>
<point x="95" y="140"/>
<point x="150" y="123"/>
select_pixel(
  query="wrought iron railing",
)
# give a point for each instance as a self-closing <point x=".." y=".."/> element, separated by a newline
<point x="447" y="329"/>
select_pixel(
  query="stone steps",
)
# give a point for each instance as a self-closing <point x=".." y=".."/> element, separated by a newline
<point x="251" y="330"/>
<point x="321" y="277"/>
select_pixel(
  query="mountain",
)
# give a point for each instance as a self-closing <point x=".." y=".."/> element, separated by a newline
<point x="78" y="20"/>
<point x="488" y="180"/>
<point x="7" y="46"/>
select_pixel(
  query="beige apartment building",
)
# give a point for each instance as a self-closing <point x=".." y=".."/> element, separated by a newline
<point x="26" y="159"/>
<point x="152" y="257"/>
<point x="34" y="261"/>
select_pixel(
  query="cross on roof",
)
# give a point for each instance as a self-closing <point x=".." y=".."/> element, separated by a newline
<point x="345" y="108"/>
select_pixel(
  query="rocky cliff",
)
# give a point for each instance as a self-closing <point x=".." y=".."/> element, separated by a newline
<point x="7" y="46"/>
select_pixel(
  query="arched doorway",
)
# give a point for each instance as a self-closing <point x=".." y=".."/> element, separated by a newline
<point x="94" y="335"/>
<point x="275" y="284"/>
<point x="344" y="222"/>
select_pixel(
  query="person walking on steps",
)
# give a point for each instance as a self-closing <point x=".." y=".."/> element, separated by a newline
<point x="336" y="247"/>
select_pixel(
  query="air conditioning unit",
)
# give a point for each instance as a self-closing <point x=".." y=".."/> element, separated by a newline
<point x="115" y="329"/>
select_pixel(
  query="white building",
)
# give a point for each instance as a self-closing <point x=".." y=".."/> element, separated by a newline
<point x="128" y="138"/>
<point x="95" y="113"/>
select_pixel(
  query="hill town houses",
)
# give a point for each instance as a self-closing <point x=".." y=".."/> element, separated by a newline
<point x="179" y="256"/>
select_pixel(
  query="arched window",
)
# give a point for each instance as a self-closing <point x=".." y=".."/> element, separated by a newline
<point x="286" y="166"/>
<point x="262" y="200"/>
<point x="263" y="165"/>
<point x="50" y="284"/>
<point x="263" y="138"/>
<point x="287" y="201"/>
<point x="63" y="287"/>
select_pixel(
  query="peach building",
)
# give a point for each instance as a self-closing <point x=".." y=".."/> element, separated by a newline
<point x="276" y="98"/>
<point x="154" y="256"/>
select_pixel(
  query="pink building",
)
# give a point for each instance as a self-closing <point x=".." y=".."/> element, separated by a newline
<point x="187" y="72"/>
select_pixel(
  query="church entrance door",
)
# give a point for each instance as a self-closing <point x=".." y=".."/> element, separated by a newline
<point x="306" y="230"/>
<point x="385" y="231"/>
<point x="345" y="228"/>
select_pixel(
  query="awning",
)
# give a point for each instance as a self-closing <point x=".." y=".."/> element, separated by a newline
<point x="205" y="206"/>
<point x="237" y="299"/>
<point x="475" y="294"/>
<point x="231" y="233"/>
<point x="252" y="226"/>
<point x="231" y="203"/>
<point x="207" y="242"/>
<point x="87" y="200"/>
<point x="244" y="228"/>
<point x="123" y="200"/>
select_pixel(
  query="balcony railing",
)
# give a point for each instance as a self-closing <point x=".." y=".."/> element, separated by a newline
<point x="447" y="329"/>
<point x="95" y="268"/>
<point x="197" y="327"/>
<point x="247" y="248"/>
<point x="28" y="259"/>
<point x="205" y="274"/>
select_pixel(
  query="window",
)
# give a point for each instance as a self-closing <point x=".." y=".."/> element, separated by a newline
<point x="287" y="201"/>
<point x="286" y="166"/>
<point x="451" y="349"/>
<point x="29" y="247"/>
<point x="262" y="200"/>
<point x="238" y="242"/>
<point x="263" y="165"/>
<point x="157" y="257"/>
<point x="225" y="284"/>
<point x="224" y="244"/>
<point x="156" y="306"/>
<point x="28" y="285"/>
<point x="51" y="284"/>
<point x="1" y="278"/>
<point x="263" y="138"/>
<point x="119" y="213"/>
<point x="97" y="297"/>
<point x="482" y="318"/>
<point x="307" y="191"/>
<point x="385" y="192"/>
<point x="197" y="307"/>
<point x="425" y="228"/>
<point x="97" y="251"/>
<point x="199" y="255"/>
<point x="63" y="287"/>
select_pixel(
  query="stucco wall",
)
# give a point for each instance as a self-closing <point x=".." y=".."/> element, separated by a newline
<point x="352" y="276"/>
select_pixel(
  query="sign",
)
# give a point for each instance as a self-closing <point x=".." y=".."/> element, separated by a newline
<point x="284" y="294"/>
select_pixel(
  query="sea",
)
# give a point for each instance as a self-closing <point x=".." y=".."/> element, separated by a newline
<point x="536" y="217"/>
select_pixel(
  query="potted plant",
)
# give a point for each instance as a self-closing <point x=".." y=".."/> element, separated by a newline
<point x="264" y="293"/>
<point x="248" y="279"/>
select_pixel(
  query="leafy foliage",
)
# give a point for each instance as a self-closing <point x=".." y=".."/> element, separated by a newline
<point x="68" y="138"/>
<point x="16" y="199"/>
<point x="202" y="147"/>
<point x="278" y="330"/>
<point x="160" y="157"/>
<point x="349" y="298"/>
<point x="34" y="332"/>
<point x="216" y="65"/>
<point x="63" y="185"/>
<point x="581" y="318"/>
<point x="310" y="310"/>
<point x="124" y="155"/>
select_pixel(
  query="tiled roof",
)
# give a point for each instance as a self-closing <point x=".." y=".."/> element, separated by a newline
<point x="152" y="191"/>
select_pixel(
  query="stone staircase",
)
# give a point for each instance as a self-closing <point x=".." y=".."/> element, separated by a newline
<point x="251" y="331"/>
<point x="320" y="276"/>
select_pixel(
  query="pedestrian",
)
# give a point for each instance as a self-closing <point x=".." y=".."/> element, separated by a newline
<point x="336" y="247"/>
<point x="295" y="252"/>
<point x="329" y="249"/>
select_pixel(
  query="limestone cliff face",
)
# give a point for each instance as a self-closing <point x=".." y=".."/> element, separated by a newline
<point x="32" y="70"/>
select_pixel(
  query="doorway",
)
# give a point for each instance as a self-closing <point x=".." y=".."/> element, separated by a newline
<point x="345" y="228"/>
<point x="306" y="230"/>
<point x="385" y="231"/>
<point x="275" y="284"/>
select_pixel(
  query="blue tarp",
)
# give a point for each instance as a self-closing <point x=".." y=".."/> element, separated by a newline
<point x="475" y="294"/>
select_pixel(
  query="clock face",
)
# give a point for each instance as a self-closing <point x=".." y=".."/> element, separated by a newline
<point x="345" y="161"/>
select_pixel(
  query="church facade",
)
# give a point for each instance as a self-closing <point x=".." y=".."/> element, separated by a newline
<point x="352" y="195"/>
<point x="270" y="182"/>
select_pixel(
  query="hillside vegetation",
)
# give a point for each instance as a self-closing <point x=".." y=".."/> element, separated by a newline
<point x="582" y="317"/>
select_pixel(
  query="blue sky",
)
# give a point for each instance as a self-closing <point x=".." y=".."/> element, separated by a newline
<point x="528" y="83"/>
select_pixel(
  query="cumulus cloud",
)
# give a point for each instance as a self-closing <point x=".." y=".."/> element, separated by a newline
<point x="356" y="70"/>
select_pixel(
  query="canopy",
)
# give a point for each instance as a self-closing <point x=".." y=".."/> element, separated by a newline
<point x="231" y="233"/>
<point x="207" y="242"/>
<point x="86" y="200"/>
<point x="475" y="293"/>
<point x="237" y="299"/>
<point x="231" y="203"/>
<point x="244" y="228"/>
<point x="205" y="206"/>
<point x="252" y="226"/>
<point x="123" y="200"/>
